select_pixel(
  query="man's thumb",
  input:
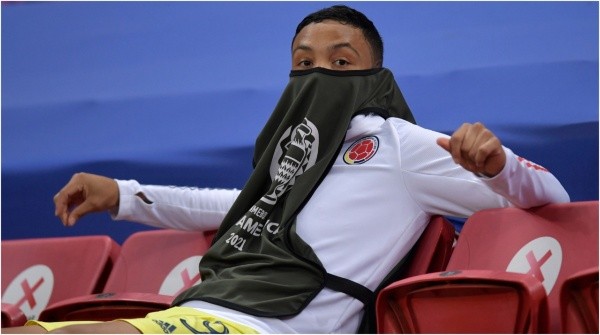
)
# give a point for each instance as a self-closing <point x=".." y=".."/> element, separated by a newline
<point x="444" y="143"/>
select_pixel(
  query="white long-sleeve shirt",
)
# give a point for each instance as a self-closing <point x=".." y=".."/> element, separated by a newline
<point x="362" y="218"/>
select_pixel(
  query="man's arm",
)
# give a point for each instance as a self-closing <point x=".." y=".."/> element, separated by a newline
<point x="523" y="183"/>
<point x="159" y="206"/>
<point x="526" y="184"/>
<point x="441" y="186"/>
<point x="182" y="208"/>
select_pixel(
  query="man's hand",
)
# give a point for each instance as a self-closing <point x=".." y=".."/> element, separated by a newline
<point x="85" y="193"/>
<point x="476" y="149"/>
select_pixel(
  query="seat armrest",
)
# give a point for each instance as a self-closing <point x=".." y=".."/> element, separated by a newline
<point x="12" y="316"/>
<point x="106" y="307"/>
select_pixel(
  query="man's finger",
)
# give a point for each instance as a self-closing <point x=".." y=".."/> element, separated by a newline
<point x="476" y="155"/>
<point x="71" y="195"/>
<point x="61" y="203"/>
<point x="456" y="142"/>
<point x="79" y="211"/>
<point x="469" y="144"/>
<point x="485" y="147"/>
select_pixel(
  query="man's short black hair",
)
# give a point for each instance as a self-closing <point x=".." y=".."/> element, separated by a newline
<point x="347" y="15"/>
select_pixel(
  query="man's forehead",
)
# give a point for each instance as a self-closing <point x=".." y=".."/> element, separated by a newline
<point x="327" y="31"/>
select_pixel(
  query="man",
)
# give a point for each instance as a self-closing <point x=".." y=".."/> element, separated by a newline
<point x="284" y="241"/>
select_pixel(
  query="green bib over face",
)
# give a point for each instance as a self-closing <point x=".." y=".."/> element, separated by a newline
<point x="258" y="264"/>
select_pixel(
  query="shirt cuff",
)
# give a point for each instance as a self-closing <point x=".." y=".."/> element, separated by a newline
<point x="127" y="191"/>
<point x="507" y="171"/>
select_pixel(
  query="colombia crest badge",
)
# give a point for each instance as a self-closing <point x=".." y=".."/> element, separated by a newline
<point x="362" y="150"/>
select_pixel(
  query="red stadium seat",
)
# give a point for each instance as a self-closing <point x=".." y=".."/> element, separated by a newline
<point x="579" y="302"/>
<point x="38" y="272"/>
<point x="430" y="254"/>
<point x="433" y="249"/>
<point x="154" y="266"/>
<point x="137" y="295"/>
<point x="548" y="243"/>
<point x="12" y="316"/>
<point x="475" y="301"/>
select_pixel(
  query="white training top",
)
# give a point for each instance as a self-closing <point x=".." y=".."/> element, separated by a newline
<point x="363" y="218"/>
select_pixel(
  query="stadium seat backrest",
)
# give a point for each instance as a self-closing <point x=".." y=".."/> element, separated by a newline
<point x="431" y="253"/>
<point x="158" y="261"/>
<point x="154" y="266"/>
<point x="550" y="243"/>
<point x="41" y="271"/>
<point x="579" y="302"/>
<point x="433" y="249"/>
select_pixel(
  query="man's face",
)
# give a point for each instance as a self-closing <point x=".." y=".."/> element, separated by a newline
<point x="331" y="45"/>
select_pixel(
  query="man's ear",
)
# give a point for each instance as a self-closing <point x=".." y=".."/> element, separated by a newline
<point x="377" y="63"/>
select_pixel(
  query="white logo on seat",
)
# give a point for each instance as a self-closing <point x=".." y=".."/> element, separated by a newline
<point x="541" y="258"/>
<point x="31" y="290"/>
<point x="183" y="275"/>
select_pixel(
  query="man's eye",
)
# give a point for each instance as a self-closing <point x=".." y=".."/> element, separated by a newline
<point x="305" y="63"/>
<point x="341" y="62"/>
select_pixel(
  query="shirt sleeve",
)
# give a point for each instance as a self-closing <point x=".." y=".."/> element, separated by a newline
<point x="443" y="187"/>
<point x="526" y="184"/>
<point x="182" y="208"/>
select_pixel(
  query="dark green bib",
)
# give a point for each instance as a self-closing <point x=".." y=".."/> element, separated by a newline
<point x="257" y="263"/>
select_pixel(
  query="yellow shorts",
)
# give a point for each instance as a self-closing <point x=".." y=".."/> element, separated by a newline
<point x="175" y="320"/>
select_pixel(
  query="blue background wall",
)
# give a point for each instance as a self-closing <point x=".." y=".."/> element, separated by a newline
<point x="175" y="92"/>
